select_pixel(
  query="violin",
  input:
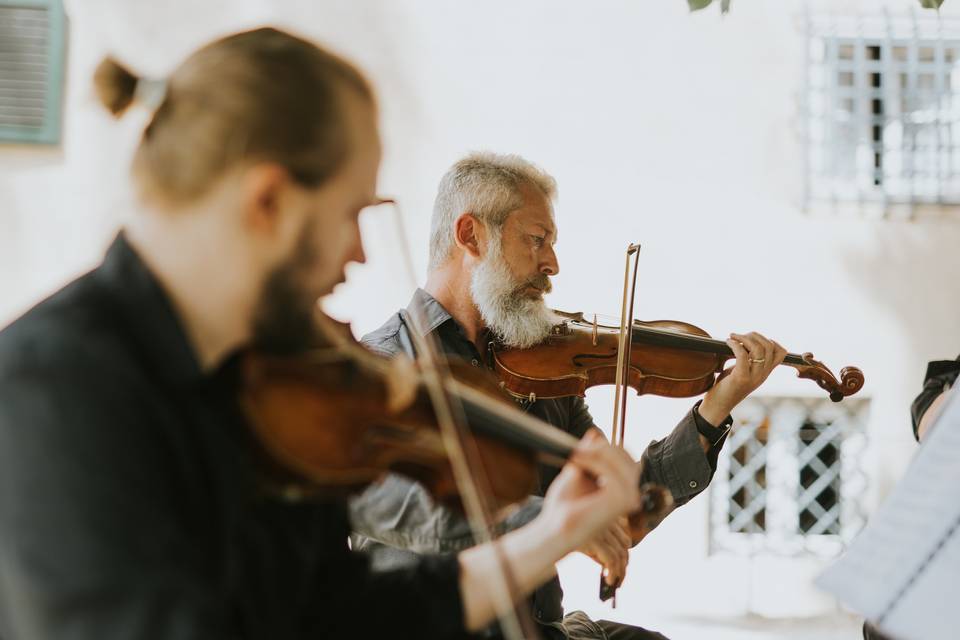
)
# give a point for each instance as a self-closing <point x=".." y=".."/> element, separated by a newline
<point x="667" y="358"/>
<point x="663" y="357"/>
<point x="338" y="417"/>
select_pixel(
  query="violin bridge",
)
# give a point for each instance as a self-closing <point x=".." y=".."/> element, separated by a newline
<point x="595" y="337"/>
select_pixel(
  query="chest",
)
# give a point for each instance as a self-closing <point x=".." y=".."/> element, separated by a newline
<point x="266" y="556"/>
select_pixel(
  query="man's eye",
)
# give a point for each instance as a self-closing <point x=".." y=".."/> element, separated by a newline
<point x="538" y="240"/>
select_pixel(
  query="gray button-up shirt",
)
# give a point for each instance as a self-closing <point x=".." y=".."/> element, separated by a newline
<point x="397" y="519"/>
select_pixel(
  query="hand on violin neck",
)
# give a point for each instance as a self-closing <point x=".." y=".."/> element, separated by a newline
<point x="756" y="357"/>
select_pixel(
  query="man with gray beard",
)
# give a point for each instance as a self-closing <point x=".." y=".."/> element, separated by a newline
<point x="491" y="259"/>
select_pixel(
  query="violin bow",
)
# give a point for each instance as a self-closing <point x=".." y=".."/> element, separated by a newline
<point x="618" y="432"/>
<point x="468" y="472"/>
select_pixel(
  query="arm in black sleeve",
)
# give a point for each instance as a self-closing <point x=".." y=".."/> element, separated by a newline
<point x="417" y="602"/>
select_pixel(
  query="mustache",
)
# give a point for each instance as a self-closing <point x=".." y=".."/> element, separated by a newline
<point x="540" y="281"/>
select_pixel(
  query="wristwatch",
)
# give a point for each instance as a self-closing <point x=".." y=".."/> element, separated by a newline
<point x="714" y="435"/>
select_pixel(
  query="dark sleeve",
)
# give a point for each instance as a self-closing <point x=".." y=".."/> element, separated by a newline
<point x="91" y="542"/>
<point x="676" y="462"/>
<point x="420" y="601"/>
<point x="580" y="419"/>
<point x="940" y="375"/>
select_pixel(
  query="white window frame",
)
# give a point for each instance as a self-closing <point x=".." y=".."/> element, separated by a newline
<point x="784" y="416"/>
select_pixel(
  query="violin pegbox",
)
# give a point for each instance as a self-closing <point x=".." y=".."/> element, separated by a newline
<point x="850" y="382"/>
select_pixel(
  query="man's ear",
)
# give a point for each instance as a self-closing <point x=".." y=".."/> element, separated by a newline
<point x="467" y="232"/>
<point x="264" y="187"/>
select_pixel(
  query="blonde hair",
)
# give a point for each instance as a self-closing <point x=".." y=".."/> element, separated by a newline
<point x="256" y="96"/>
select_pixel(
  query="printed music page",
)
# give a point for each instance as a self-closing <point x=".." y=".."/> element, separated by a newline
<point x="902" y="571"/>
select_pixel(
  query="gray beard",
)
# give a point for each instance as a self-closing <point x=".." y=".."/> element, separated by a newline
<point x="516" y="320"/>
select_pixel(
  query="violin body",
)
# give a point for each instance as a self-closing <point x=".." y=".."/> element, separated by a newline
<point x="579" y="354"/>
<point x="331" y="424"/>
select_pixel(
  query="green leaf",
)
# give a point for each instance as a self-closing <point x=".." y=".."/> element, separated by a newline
<point x="696" y="5"/>
<point x="725" y="6"/>
<point x="931" y="4"/>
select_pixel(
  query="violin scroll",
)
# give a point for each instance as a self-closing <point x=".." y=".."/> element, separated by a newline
<point x="850" y="382"/>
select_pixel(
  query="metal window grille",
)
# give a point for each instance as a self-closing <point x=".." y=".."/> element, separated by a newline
<point x="881" y="113"/>
<point x="788" y="480"/>
<point x="748" y="479"/>
<point x="818" y="457"/>
<point x="31" y="70"/>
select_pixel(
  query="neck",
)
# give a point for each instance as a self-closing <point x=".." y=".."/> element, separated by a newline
<point x="213" y="301"/>
<point x="449" y="284"/>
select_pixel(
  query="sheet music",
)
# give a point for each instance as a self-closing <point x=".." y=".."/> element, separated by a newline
<point x="903" y="570"/>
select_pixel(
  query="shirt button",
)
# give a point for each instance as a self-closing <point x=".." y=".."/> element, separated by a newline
<point x="475" y="362"/>
<point x="692" y="484"/>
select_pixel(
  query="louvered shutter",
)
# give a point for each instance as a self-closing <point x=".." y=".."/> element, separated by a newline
<point x="32" y="37"/>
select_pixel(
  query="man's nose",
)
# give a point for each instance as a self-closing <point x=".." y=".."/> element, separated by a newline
<point x="549" y="265"/>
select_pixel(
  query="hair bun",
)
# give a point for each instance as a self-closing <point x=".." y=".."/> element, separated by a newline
<point x="115" y="85"/>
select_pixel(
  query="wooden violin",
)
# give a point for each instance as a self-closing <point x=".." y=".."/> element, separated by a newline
<point x="667" y="358"/>
<point x="338" y="417"/>
<point x="664" y="357"/>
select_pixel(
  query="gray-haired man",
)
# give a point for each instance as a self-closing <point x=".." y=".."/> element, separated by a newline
<point x="491" y="260"/>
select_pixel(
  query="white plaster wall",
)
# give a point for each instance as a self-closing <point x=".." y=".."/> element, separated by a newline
<point x="675" y="130"/>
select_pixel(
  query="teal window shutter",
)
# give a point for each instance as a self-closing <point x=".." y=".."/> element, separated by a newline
<point x="32" y="50"/>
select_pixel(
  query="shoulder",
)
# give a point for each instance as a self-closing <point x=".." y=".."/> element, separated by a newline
<point x="387" y="339"/>
<point x="69" y="361"/>
<point x="75" y="401"/>
<point x="72" y="331"/>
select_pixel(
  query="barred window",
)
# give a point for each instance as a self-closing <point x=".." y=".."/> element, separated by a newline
<point x="818" y="456"/>
<point x="881" y="113"/>
<point x="748" y="479"/>
<point x="788" y="480"/>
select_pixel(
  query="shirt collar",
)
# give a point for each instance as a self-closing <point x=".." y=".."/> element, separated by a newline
<point x="450" y="333"/>
<point x="148" y="314"/>
<point x="425" y="307"/>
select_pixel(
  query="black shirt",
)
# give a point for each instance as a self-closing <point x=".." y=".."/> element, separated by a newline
<point x="129" y="501"/>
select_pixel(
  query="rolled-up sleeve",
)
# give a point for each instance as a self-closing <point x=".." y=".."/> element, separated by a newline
<point x="678" y="461"/>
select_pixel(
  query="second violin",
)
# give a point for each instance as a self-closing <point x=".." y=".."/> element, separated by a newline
<point x="667" y="358"/>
